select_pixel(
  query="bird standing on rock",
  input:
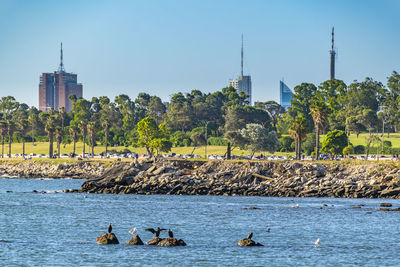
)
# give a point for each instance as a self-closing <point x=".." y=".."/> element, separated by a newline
<point x="170" y="234"/>
<point x="250" y="235"/>
<point x="156" y="232"/>
<point x="109" y="228"/>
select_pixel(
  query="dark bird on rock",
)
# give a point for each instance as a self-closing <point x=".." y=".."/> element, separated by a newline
<point x="170" y="233"/>
<point x="250" y="235"/>
<point x="156" y="232"/>
<point x="109" y="228"/>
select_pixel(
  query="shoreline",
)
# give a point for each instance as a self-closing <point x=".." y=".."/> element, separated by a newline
<point x="216" y="177"/>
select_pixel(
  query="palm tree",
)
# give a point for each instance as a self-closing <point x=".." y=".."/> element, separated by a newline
<point x="319" y="112"/>
<point x="91" y="128"/>
<point x="10" y="130"/>
<point x="298" y="131"/>
<point x="74" y="133"/>
<point x="61" y="116"/>
<point x="82" y="113"/>
<point x="107" y="119"/>
<point x="50" y="128"/>
<point x="8" y="105"/>
<point x="59" y="136"/>
<point x="22" y="125"/>
<point x="83" y="126"/>
<point x="3" y="130"/>
<point x="33" y="120"/>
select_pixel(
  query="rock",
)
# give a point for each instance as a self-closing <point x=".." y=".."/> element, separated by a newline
<point x="385" y="204"/>
<point x="248" y="243"/>
<point x="252" y="208"/>
<point x="154" y="241"/>
<point x="170" y="242"/>
<point x="386" y="209"/>
<point x="135" y="240"/>
<point x="107" y="239"/>
<point x="159" y="170"/>
<point x="390" y="192"/>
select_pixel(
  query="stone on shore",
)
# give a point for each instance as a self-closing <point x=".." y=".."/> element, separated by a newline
<point x="248" y="243"/>
<point x="107" y="239"/>
<point x="135" y="240"/>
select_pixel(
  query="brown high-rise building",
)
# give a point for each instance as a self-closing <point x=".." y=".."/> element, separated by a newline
<point x="56" y="87"/>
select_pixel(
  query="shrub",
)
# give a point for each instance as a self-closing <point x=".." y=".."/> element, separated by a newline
<point x="348" y="150"/>
<point x="308" y="145"/>
<point x="334" y="143"/>
<point x="360" y="149"/>
<point x="286" y="144"/>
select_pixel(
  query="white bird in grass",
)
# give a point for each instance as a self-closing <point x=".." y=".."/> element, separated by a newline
<point x="316" y="242"/>
<point x="133" y="231"/>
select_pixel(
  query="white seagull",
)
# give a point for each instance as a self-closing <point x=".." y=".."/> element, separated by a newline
<point x="295" y="206"/>
<point x="316" y="242"/>
<point x="133" y="231"/>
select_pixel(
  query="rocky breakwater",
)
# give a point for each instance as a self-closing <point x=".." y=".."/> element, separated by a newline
<point x="278" y="179"/>
<point x="31" y="169"/>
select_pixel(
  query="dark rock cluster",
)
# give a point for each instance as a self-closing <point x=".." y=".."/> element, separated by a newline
<point x="232" y="178"/>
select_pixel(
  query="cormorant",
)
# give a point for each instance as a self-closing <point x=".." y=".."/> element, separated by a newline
<point x="250" y="235"/>
<point x="109" y="228"/>
<point x="156" y="232"/>
<point x="171" y="235"/>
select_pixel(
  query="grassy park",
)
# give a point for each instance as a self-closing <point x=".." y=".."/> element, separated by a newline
<point x="43" y="147"/>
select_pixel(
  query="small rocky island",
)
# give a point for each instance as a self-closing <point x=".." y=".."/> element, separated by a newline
<point x="228" y="178"/>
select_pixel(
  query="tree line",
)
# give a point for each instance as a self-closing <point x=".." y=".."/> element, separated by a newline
<point x="197" y="118"/>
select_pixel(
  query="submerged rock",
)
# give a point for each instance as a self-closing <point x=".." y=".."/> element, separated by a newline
<point x="166" y="242"/>
<point x="171" y="242"/>
<point x="107" y="239"/>
<point x="248" y="243"/>
<point x="387" y="209"/>
<point x="135" y="240"/>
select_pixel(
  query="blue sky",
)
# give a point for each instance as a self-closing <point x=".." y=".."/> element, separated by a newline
<point x="165" y="46"/>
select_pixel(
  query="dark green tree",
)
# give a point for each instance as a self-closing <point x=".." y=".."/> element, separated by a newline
<point x="334" y="143"/>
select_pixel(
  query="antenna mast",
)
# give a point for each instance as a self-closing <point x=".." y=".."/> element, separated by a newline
<point x="241" y="55"/>
<point x="61" y="68"/>
<point x="333" y="53"/>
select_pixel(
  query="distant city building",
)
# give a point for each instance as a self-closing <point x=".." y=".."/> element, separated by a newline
<point x="243" y="82"/>
<point x="56" y="87"/>
<point x="285" y="95"/>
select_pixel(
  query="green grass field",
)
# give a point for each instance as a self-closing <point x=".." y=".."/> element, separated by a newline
<point x="43" y="147"/>
<point x="393" y="137"/>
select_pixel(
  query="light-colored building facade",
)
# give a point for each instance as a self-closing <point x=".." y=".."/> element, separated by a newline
<point x="243" y="84"/>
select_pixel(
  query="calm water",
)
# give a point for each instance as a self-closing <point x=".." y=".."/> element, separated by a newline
<point x="60" y="229"/>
